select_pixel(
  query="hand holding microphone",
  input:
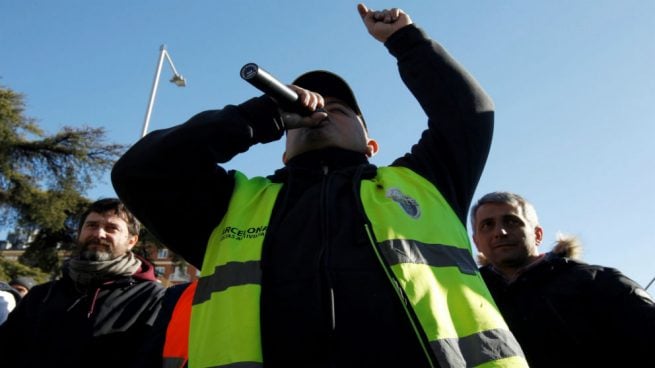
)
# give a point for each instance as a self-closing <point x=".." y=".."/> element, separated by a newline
<point x="299" y="107"/>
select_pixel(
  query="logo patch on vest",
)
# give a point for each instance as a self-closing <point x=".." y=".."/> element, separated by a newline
<point x="407" y="203"/>
<point x="234" y="232"/>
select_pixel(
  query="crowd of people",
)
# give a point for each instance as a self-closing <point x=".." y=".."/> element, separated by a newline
<point x="330" y="261"/>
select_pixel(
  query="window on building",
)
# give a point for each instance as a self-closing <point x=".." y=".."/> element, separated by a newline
<point x="162" y="253"/>
<point x="179" y="274"/>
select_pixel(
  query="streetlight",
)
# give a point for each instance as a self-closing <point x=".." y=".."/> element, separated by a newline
<point x="178" y="79"/>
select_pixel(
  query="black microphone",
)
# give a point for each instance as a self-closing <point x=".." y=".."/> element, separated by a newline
<point x="265" y="82"/>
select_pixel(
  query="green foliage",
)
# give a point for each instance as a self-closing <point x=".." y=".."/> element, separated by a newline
<point x="10" y="269"/>
<point x="42" y="252"/>
<point x="43" y="177"/>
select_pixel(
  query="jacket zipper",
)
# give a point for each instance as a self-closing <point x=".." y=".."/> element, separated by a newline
<point x="325" y="238"/>
<point x="401" y="295"/>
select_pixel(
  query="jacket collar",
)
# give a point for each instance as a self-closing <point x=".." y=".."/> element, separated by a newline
<point x="319" y="160"/>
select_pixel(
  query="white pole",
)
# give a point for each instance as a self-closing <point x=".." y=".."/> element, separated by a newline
<point x="153" y="92"/>
<point x="170" y="62"/>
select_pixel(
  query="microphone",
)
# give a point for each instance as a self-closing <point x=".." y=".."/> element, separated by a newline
<point x="265" y="82"/>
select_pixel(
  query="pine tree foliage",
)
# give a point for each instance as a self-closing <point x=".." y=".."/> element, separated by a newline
<point x="43" y="177"/>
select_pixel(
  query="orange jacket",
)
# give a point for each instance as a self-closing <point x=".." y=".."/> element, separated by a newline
<point x="176" y="345"/>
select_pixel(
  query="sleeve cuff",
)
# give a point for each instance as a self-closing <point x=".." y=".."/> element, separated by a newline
<point x="264" y="119"/>
<point x="405" y="39"/>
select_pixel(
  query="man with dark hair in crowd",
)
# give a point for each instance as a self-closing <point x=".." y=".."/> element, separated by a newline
<point x="563" y="312"/>
<point x="100" y="311"/>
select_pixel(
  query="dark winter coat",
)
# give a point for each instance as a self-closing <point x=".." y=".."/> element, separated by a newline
<point x="566" y="313"/>
<point x="59" y="325"/>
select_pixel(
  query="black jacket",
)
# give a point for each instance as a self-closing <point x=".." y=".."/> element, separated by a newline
<point x="325" y="299"/>
<point x="566" y="313"/>
<point x="57" y="325"/>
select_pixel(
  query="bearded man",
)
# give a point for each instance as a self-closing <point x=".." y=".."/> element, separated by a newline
<point x="102" y="309"/>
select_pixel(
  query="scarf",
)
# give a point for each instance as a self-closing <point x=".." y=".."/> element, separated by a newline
<point x="86" y="273"/>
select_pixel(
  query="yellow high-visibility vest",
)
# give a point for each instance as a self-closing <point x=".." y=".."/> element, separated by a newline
<point x="417" y="237"/>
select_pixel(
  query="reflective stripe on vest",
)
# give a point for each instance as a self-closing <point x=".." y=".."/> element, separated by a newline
<point x="479" y="349"/>
<point x="421" y="243"/>
<point x="176" y="345"/>
<point x="225" y="324"/>
<point x="418" y="236"/>
<point x="226" y="276"/>
<point x="436" y="255"/>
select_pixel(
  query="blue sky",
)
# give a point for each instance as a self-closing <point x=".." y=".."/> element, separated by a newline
<point x="573" y="84"/>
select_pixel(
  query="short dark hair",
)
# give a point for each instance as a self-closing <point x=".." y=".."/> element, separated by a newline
<point x="506" y="198"/>
<point x="115" y="206"/>
<point x="25" y="281"/>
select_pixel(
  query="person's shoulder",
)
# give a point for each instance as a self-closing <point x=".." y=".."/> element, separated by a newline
<point x="601" y="280"/>
<point x="137" y="285"/>
<point x="607" y="274"/>
<point x="485" y="269"/>
<point x="612" y="284"/>
<point x="574" y="269"/>
<point x="577" y="266"/>
<point x="140" y="291"/>
<point x="174" y="292"/>
<point x="48" y="291"/>
<point x="45" y="287"/>
<point x="491" y="277"/>
<point x="178" y="288"/>
<point x="151" y="285"/>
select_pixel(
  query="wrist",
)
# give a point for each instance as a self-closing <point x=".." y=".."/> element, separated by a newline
<point x="264" y="118"/>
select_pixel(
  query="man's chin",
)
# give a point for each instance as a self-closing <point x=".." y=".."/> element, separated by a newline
<point x="316" y="136"/>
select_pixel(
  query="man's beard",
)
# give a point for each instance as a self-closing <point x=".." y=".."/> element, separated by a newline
<point x="99" y="254"/>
